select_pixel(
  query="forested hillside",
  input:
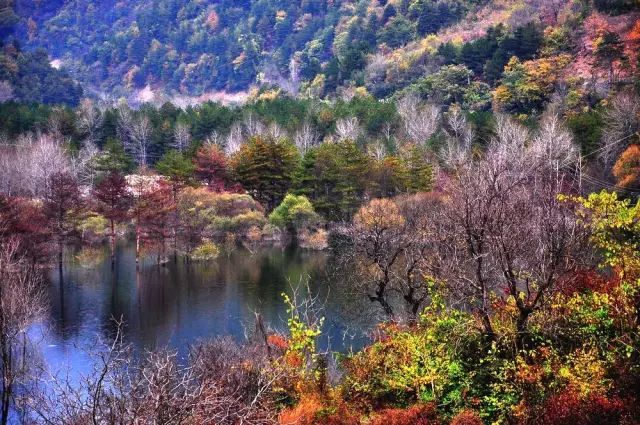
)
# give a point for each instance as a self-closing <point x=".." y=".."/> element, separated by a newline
<point x="453" y="50"/>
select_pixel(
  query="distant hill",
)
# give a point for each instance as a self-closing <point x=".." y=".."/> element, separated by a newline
<point x="324" y="47"/>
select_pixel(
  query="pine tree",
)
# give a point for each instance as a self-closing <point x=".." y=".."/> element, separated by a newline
<point x="265" y="167"/>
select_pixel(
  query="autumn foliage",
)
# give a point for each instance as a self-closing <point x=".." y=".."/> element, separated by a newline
<point x="627" y="168"/>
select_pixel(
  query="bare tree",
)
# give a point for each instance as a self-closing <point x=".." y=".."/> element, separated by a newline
<point x="420" y="121"/>
<point x="306" y="138"/>
<point x="181" y="137"/>
<point x="378" y="150"/>
<point x="348" y="129"/>
<point x="507" y="231"/>
<point x="234" y="140"/>
<point x="459" y="137"/>
<point x="55" y="124"/>
<point x="391" y="252"/>
<point x="36" y="159"/>
<point x="252" y="126"/>
<point x="215" y="138"/>
<point x="22" y="303"/>
<point x="89" y="121"/>
<point x="222" y="383"/>
<point x="138" y="140"/>
<point x="124" y="122"/>
<point x="82" y="164"/>
<point x="622" y="126"/>
<point x="276" y="132"/>
<point x="553" y="144"/>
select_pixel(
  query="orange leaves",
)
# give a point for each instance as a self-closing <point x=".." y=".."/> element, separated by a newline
<point x="627" y="167"/>
<point x="303" y="413"/>
<point x="467" y="417"/>
<point x="379" y="215"/>
<point x="414" y="415"/>
<point x="278" y="341"/>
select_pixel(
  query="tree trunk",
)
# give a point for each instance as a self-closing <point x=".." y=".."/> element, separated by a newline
<point x="113" y="244"/>
<point x="521" y="329"/>
<point x="6" y="380"/>
<point x="137" y="244"/>
<point x="488" y="327"/>
<point x="60" y="254"/>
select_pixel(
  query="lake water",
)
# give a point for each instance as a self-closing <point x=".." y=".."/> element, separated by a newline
<point x="182" y="303"/>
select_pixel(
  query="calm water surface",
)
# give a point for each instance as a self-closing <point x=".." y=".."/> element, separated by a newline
<point x="180" y="304"/>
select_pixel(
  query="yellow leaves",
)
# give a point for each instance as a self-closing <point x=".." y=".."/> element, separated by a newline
<point x="379" y="215"/>
<point x="586" y="372"/>
<point x="531" y="81"/>
<point x="502" y="94"/>
<point x="362" y="92"/>
<point x="269" y="95"/>
<point x="615" y="226"/>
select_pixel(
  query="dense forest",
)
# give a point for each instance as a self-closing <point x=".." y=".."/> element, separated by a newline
<point x="471" y="168"/>
<point x="323" y="48"/>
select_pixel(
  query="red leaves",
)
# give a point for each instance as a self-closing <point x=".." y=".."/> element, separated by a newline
<point x="414" y="415"/>
<point x="113" y="197"/>
<point x="211" y="167"/>
<point x="569" y="408"/>
<point x="467" y="417"/>
<point x="24" y="220"/>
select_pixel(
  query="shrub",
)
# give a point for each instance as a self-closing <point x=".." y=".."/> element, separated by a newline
<point x="467" y="417"/>
<point x="304" y="413"/>
<point x="94" y="227"/>
<point x="206" y="252"/>
<point x="569" y="408"/>
<point x="317" y="240"/>
<point x="414" y="415"/>
<point x="293" y="213"/>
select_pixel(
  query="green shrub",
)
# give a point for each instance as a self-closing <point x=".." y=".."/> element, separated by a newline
<point x="206" y="252"/>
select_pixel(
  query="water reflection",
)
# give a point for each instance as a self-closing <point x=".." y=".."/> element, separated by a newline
<point x="181" y="303"/>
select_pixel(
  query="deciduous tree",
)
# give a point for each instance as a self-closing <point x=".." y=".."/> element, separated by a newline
<point x="113" y="202"/>
<point x="63" y="206"/>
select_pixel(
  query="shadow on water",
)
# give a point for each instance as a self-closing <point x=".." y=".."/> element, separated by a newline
<point x="181" y="303"/>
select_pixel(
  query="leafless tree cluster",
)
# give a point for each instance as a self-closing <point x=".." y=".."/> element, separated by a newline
<point x="507" y="231"/>
<point x="498" y="229"/>
<point x="22" y="303"/>
<point x="220" y="383"/>
<point x="28" y="163"/>
<point x="623" y="124"/>
<point x="420" y="121"/>
<point x="89" y="121"/>
<point x="348" y="129"/>
<point x="392" y="244"/>
<point x="459" y="138"/>
<point x="181" y="137"/>
<point x="306" y="138"/>
<point x="135" y="133"/>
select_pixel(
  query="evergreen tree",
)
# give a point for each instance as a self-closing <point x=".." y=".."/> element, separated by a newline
<point x="265" y="167"/>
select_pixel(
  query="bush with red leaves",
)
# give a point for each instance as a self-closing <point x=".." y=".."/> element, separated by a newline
<point x="414" y="415"/>
<point x="467" y="417"/>
<point x="568" y="408"/>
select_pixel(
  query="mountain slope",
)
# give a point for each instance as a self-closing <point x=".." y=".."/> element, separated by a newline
<point x="320" y="48"/>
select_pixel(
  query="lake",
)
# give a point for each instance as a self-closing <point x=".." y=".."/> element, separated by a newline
<point x="182" y="303"/>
